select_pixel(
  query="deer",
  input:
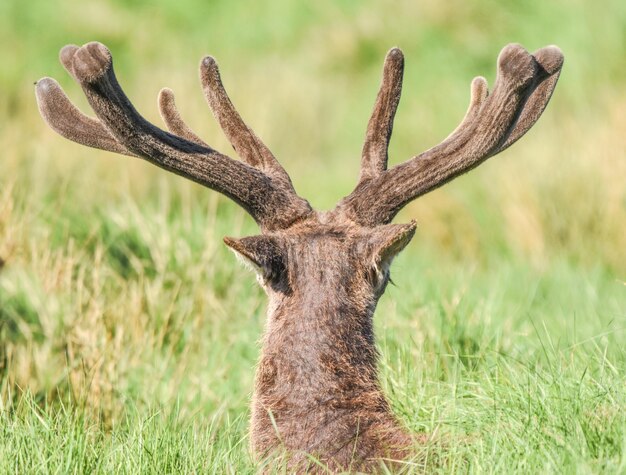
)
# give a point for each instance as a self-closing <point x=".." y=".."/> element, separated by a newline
<point x="317" y="394"/>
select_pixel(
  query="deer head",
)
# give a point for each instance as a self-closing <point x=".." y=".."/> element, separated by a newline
<point x="317" y="388"/>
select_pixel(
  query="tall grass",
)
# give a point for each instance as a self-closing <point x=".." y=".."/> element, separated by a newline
<point x="128" y="334"/>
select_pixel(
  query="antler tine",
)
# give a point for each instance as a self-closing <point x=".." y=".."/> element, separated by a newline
<point x="66" y="119"/>
<point x="243" y="139"/>
<point x="271" y="204"/>
<point x="486" y="129"/>
<point x="374" y="155"/>
<point x="479" y="91"/>
<point x="172" y="119"/>
<point x="550" y="62"/>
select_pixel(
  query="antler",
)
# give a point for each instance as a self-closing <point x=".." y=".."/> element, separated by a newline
<point x="524" y="85"/>
<point x="260" y="186"/>
<point x="374" y="154"/>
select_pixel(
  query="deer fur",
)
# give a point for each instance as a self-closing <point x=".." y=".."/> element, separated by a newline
<point x="317" y="392"/>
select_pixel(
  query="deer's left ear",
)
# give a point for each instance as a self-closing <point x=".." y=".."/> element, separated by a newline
<point x="389" y="240"/>
<point x="263" y="253"/>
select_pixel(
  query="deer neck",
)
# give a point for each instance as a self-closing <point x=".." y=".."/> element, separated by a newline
<point x="316" y="353"/>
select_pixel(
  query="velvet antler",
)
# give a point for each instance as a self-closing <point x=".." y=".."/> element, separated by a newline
<point x="524" y="85"/>
<point x="260" y="186"/>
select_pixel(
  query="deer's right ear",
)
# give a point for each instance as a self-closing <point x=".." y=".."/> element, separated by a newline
<point x="385" y="242"/>
<point x="262" y="253"/>
<point x="389" y="240"/>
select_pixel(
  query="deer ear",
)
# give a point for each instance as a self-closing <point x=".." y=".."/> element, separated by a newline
<point x="263" y="253"/>
<point x="389" y="240"/>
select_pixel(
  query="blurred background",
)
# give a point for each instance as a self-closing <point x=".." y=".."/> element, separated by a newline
<point x="116" y="291"/>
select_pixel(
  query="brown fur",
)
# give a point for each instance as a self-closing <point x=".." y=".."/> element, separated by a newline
<point x="317" y="389"/>
<point x="317" y="392"/>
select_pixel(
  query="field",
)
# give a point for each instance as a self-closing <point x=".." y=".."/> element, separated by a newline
<point x="129" y="333"/>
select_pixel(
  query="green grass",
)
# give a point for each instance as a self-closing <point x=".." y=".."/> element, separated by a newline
<point x="129" y="334"/>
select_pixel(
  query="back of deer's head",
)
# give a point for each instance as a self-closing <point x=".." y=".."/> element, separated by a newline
<point x="327" y="266"/>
